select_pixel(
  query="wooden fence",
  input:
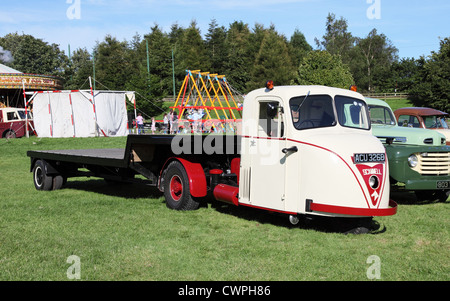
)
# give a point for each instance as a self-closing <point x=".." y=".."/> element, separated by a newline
<point x="385" y="96"/>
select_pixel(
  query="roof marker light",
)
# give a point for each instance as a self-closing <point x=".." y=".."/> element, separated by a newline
<point x="269" y="84"/>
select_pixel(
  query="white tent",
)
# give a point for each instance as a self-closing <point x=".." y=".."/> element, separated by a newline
<point x="80" y="113"/>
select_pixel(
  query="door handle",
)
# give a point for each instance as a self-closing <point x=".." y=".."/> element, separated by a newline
<point x="291" y="149"/>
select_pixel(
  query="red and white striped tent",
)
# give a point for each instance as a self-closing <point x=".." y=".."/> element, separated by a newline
<point x="80" y="113"/>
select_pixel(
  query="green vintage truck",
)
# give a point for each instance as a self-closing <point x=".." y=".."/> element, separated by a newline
<point x="419" y="159"/>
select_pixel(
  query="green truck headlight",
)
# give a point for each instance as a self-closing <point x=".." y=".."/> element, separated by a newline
<point x="412" y="160"/>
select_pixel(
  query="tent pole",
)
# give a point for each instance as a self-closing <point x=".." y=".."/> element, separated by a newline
<point x="93" y="106"/>
<point x="26" y="110"/>
<point x="93" y="67"/>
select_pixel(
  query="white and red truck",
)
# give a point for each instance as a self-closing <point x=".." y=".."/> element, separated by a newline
<point x="300" y="151"/>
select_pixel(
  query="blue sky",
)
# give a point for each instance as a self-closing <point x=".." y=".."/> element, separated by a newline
<point x="414" y="26"/>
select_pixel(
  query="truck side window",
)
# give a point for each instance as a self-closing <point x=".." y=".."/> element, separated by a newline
<point x="409" y="121"/>
<point x="12" y="116"/>
<point x="270" y="120"/>
<point x="403" y="120"/>
<point x="381" y="115"/>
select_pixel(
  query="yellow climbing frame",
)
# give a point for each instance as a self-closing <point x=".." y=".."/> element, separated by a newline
<point x="202" y="90"/>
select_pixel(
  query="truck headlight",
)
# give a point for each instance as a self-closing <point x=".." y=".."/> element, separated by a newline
<point x="374" y="182"/>
<point x="412" y="160"/>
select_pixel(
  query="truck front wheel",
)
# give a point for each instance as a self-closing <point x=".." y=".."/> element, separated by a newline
<point x="176" y="188"/>
<point x="42" y="181"/>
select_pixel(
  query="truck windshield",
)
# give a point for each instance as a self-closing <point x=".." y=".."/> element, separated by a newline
<point x="312" y="111"/>
<point x="352" y="112"/>
<point x="381" y="115"/>
<point x="435" y="122"/>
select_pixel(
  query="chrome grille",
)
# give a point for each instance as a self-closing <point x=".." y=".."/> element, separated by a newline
<point x="433" y="164"/>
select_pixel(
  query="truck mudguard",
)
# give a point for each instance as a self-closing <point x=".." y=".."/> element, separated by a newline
<point x="196" y="176"/>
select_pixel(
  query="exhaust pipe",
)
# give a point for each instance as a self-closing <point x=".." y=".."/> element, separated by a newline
<point x="226" y="193"/>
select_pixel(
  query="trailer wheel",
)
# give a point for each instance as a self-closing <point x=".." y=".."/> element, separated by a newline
<point x="42" y="181"/>
<point x="58" y="182"/>
<point x="176" y="188"/>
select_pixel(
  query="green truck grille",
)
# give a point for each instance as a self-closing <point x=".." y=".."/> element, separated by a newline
<point x="433" y="164"/>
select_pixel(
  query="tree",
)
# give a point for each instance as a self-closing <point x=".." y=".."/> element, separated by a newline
<point x="433" y="87"/>
<point x="319" y="67"/>
<point x="239" y="60"/>
<point x="79" y="70"/>
<point x="33" y="55"/>
<point x="216" y="46"/>
<point x="272" y="61"/>
<point x="112" y="63"/>
<point x="176" y="40"/>
<point x="153" y="81"/>
<point x="160" y="59"/>
<point x="193" y="50"/>
<point x="298" y="47"/>
<point x="378" y="54"/>
<point x="337" y="40"/>
<point x="404" y="74"/>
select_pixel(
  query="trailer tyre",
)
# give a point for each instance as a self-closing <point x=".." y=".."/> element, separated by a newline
<point x="176" y="188"/>
<point x="42" y="181"/>
<point x="58" y="182"/>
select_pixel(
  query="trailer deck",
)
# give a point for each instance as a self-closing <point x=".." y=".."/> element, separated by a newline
<point x="142" y="154"/>
<point x="116" y="157"/>
<point x="107" y="157"/>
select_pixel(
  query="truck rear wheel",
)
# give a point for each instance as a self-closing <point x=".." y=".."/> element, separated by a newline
<point x="176" y="188"/>
<point x="42" y="181"/>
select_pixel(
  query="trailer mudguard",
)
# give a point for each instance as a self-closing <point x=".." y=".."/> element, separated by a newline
<point x="49" y="168"/>
<point x="196" y="176"/>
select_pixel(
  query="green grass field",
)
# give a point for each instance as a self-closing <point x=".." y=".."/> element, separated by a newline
<point x="126" y="232"/>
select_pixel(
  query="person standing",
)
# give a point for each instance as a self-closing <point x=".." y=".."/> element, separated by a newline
<point x="171" y="121"/>
<point x="166" y="123"/>
<point x="175" y="123"/>
<point x="153" y="125"/>
<point x="140" y="124"/>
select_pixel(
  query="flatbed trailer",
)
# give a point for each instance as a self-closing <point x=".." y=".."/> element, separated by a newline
<point x="301" y="151"/>
<point x="144" y="155"/>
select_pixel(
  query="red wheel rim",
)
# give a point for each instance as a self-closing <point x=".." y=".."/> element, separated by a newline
<point x="176" y="188"/>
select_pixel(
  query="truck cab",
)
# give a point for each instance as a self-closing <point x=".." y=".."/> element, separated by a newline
<point x="310" y="150"/>
<point x="12" y="122"/>
<point x="419" y="159"/>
